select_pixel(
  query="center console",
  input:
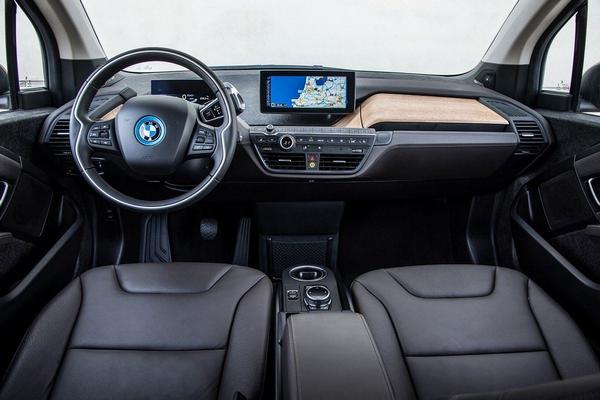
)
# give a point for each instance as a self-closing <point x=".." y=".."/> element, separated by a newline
<point x="309" y="288"/>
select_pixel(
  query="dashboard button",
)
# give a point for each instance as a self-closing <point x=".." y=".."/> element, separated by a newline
<point x="286" y="142"/>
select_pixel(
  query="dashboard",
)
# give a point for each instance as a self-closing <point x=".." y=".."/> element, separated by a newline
<point x="358" y="131"/>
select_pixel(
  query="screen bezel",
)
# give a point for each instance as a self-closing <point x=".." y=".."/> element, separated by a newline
<point x="351" y="87"/>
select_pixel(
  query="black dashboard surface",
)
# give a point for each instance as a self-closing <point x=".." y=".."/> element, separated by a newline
<point x="442" y="157"/>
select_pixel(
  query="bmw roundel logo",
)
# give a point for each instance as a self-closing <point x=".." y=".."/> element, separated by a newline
<point x="149" y="130"/>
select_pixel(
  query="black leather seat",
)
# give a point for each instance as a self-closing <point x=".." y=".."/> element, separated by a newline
<point x="450" y="329"/>
<point x="148" y="331"/>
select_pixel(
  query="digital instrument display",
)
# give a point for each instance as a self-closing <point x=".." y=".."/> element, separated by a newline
<point x="195" y="91"/>
<point x="326" y="92"/>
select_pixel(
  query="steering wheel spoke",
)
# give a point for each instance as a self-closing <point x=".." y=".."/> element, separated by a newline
<point x="101" y="136"/>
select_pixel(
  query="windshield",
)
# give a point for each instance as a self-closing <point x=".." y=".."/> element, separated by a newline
<point x="426" y="36"/>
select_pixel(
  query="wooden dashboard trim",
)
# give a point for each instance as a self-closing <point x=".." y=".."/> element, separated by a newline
<point x="408" y="108"/>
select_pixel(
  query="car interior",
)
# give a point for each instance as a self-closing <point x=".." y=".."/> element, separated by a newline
<point x="228" y="201"/>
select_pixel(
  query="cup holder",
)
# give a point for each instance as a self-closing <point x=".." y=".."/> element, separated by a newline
<point x="308" y="273"/>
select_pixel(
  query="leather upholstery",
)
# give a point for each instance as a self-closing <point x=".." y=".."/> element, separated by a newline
<point x="452" y="329"/>
<point x="148" y="331"/>
<point x="331" y="355"/>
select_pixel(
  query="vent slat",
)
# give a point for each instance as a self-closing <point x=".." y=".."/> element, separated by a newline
<point x="340" y="162"/>
<point x="285" y="161"/>
<point x="60" y="146"/>
<point x="531" y="139"/>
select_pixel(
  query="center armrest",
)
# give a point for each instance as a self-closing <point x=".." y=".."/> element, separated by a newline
<point x="331" y="355"/>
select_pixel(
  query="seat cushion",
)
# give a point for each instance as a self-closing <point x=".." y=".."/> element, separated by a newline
<point x="451" y="329"/>
<point x="148" y="331"/>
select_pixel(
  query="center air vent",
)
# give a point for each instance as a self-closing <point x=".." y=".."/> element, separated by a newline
<point x="531" y="139"/>
<point x="339" y="162"/>
<point x="285" y="161"/>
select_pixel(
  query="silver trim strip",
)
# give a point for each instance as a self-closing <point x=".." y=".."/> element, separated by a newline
<point x="591" y="186"/>
<point x="194" y="193"/>
<point x="4" y="186"/>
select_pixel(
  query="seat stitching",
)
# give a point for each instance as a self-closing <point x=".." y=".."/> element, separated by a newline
<point x="142" y="349"/>
<point x="492" y="290"/>
<point x="527" y="295"/>
<point x="490" y="353"/>
<point x="260" y="278"/>
<point x="412" y="382"/>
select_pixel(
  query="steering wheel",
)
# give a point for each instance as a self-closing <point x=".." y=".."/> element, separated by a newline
<point x="154" y="134"/>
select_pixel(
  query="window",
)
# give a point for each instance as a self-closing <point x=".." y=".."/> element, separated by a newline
<point x="561" y="56"/>
<point x="559" y="60"/>
<point x="29" y="54"/>
<point x="30" y="60"/>
<point x="590" y="83"/>
<point x="432" y="37"/>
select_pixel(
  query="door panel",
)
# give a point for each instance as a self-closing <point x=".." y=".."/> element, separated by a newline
<point x="556" y="219"/>
<point x="40" y="229"/>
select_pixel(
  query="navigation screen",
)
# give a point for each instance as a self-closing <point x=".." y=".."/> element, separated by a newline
<point x="195" y="91"/>
<point x="319" y="91"/>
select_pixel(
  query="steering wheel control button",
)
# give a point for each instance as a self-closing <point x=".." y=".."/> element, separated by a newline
<point x="100" y="136"/>
<point x="203" y="142"/>
<point x="149" y="130"/>
<point x="317" y="297"/>
<point x="211" y="111"/>
<point x="286" y="142"/>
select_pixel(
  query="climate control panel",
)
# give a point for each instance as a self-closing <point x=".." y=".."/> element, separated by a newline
<point x="312" y="150"/>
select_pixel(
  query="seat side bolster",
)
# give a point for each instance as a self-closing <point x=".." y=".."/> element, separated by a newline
<point x="243" y="370"/>
<point x="570" y="350"/>
<point x="384" y="334"/>
<point x="37" y="362"/>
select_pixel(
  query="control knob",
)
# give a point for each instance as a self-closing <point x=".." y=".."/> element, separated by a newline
<point x="286" y="142"/>
<point x="317" y="297"/>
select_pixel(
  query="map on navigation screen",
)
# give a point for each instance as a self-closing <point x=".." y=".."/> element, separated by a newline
<point x="290" y="91"/>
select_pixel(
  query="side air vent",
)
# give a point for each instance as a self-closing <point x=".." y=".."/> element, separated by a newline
<point x="285" y="161"/>
<point x="59" y="145"/>
<point x="531" y="139"/>
<point x="339" y="162"/>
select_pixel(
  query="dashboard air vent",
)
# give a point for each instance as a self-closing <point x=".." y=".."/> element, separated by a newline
<point x="339" y="162"/>
<point x="285" y="161"/>
<point x="531" y="139"/>
<point x="59" y="145"/>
